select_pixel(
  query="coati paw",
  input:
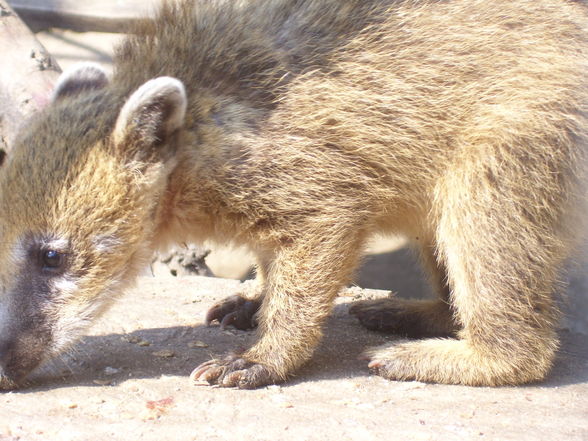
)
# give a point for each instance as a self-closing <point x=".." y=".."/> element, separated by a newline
<point x="452" y="361"/>
<point x="234" y="311"/>
<point x="233" y="372"/>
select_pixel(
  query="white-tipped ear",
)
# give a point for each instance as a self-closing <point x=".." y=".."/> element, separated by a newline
<point x="153" y="112"/>
<point x="80" y="78"/>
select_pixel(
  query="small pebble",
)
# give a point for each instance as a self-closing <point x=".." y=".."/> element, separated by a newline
<point x="197" y="344"/>
<point x="111" y="371"/>
<point x="164" y="353"/>
<point x="104" y="382"/>
<point x="69" y="404"/>
<point x="131" y="338"/>
<point x="144" y="343"/>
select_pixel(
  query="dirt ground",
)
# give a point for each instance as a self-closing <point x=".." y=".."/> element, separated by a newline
<point x="128" y="378"/>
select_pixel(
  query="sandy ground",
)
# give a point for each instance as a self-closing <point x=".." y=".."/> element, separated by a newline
<point x="128" y="379"/>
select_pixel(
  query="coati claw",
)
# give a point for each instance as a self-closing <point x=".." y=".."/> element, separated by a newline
<point x="390" y="369"/>
<point x="232" y="372"/>
<point x="235" y="311"/>
<point x="378" y="367"/>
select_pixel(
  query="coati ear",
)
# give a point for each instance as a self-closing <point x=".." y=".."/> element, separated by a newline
<point x="153" y="112"/>
<point x="80" y="78"/>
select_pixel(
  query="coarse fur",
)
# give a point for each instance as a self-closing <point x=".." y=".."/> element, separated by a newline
<point x="299" y="128"/>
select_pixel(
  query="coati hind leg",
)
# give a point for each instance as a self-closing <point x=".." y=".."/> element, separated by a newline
<point x="412" y="318"/>
<point x="502" y="252"/>
<point x="302" y="281"/>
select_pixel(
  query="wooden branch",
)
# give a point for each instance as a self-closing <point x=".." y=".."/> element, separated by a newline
<point x="27" y="74"/>
<point x="87" y="15"/>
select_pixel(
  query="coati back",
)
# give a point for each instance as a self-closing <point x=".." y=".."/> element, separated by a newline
<point x="299" y="128"/>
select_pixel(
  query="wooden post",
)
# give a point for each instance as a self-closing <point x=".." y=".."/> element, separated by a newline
<point x="27" y="74"/>
<point x="87" y="15"/>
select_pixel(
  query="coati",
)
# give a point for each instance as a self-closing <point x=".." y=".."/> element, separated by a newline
<point x="299" y="128"/>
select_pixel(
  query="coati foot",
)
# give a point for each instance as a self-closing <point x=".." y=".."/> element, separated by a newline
<point x="452" y="361"/>
<point x="233" y="371"/>
<point x="409" y="318"/>
<point x="234" y="311"/>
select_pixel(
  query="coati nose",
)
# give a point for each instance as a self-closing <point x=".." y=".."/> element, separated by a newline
<point x="13" y="366"/>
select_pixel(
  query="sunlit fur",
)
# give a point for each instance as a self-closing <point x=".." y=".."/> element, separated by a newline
<point x="311" y="125"/>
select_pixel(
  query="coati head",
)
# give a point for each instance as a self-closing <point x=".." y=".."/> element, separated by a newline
<point x="79" y="196"/>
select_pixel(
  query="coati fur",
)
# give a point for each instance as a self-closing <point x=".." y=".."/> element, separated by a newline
<point x="299" y="128"/>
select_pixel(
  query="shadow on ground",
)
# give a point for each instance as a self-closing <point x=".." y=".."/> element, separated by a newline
<point x="115" y="358"/>
<point x="337" y="357"/>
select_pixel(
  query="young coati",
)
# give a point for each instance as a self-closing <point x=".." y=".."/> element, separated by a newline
<point x="299" y="128"/>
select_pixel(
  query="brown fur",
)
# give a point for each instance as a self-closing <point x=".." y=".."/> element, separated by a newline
<point x="310" y="125"/>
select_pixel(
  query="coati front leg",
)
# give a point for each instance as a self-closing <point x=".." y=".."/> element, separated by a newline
<point x="413" y="318"/>
<point x="302" y="282"/>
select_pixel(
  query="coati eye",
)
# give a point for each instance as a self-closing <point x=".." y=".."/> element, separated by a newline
<point x="52" y="259"/>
